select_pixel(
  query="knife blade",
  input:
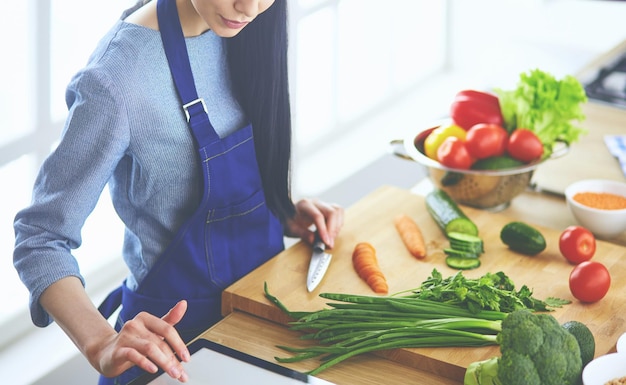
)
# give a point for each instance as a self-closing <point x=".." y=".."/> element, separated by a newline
<point x="320" y="260"/>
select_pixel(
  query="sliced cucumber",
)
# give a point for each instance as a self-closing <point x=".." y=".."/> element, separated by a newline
<point x="466" y="238"/>
<point x="462" y="263"/>
<point x="460" y="253"/>
<point x="447" y="214"/>
<point x="466" y="242"/>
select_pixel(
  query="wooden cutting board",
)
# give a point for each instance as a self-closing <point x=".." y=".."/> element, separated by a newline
<point x="371" y="220"/>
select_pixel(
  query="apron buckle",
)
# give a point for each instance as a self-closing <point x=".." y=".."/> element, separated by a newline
<point x="191" y="104"/>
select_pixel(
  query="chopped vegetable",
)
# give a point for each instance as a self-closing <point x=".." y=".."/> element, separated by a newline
<point x="492" y="291"/>
<point x="535" y="350"/>
<point x="461" y="262"/>
<point x="466" y="242"/>
<point x="366" y="265"/>
<point x="471" y="107"/>
<point x="448" y="215"/>
<point x="411" y="235"/>
<point x="464" y="251"/>
<point x="546" y="106"/>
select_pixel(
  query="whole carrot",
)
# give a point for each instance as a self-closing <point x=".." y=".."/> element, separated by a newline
<point x="411" y="235"/>
<point x="366" y="265"/>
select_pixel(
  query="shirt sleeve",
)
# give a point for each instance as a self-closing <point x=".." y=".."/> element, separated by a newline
<point x="68" y="186"/>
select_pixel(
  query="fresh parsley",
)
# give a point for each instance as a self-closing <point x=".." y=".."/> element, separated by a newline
<point x="492" y="291"/>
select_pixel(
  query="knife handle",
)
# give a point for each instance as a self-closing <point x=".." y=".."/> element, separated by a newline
<point x="318" y="244"/>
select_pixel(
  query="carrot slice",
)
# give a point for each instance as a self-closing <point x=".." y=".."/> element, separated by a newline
<point x="411" y="235"/>
<point x="366" y="265"/>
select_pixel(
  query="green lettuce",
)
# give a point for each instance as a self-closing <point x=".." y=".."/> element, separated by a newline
<point x="545" y="105"/>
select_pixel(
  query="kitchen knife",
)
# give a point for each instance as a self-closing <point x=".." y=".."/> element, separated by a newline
<point x="320" y="260"/>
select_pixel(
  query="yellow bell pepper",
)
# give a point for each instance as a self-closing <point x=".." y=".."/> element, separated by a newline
<point x="438" y="135"/>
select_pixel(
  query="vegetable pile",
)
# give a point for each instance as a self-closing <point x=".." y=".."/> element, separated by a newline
<point x="441" y="313"/>
<point x="515" y="127"/>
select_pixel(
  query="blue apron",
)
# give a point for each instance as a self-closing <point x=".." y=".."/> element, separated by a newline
<point x="230" y="234"/>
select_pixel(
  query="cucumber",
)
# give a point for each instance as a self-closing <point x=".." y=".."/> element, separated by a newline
<point x="462" y="263"/>
<point x="496" y="163"/>
<point x="450" y="178"/>
<point x="460" y="253"/>
<point x="447" y="214"/>
<point x="476" y="249"/>
<point x="464" y="245"/>
<point x="523" y="238"/>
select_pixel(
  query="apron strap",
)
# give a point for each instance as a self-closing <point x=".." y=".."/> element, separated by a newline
<point x="111" y="303"/>
<point x="178" y="60"/>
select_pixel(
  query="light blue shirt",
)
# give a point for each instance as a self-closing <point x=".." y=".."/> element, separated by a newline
<point x="125" y="127"/>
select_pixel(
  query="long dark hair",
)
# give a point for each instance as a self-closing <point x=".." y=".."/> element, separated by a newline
<point x="257" y="58"/>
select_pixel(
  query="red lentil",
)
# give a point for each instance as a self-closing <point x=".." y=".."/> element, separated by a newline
<point x="603" y="201"/>
<point x="617" y="381"/>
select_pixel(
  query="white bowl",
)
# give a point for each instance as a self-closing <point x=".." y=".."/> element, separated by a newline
<point x="620" y="346"/>
<point x="604" y="224"/>
<point x="605" y="368"/>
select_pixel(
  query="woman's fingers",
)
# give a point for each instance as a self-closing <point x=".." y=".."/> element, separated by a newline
<point x="327" y="218"/>
<point x="171" y="335"/>
<point x="150" y="342"/>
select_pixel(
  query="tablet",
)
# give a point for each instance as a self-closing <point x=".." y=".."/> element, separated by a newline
<point x="215" y="364"/>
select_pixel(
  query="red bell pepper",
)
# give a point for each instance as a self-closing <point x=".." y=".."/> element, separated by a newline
<point x="471" y="107"/>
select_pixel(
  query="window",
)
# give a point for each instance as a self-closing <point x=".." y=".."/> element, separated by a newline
<point x="47" y="42"/>
<point x="351" y="57"/>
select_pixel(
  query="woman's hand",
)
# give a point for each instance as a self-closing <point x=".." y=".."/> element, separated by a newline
<point x="327" y="218"/>
<point x="146" y="341"/>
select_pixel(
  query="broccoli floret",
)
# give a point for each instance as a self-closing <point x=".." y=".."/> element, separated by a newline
<point x="536" y="350"/>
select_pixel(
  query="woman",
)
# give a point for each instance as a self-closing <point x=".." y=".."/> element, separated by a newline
<point x="183" y="109"/>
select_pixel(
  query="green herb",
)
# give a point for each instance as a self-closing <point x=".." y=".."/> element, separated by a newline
<point x="546" y="106"/>
<point x="492" y="291"/>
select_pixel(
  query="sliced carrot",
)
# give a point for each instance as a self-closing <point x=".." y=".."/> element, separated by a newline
<point x="366" y="265"/>
<point x="411" y="235"/>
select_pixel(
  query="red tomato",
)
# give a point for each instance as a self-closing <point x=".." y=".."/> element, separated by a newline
<point x="524" y="145"/>
<point x="453" y="153"/>
<point x="577" y="244"/>
<point x="589" y="281"/>
<point x="485" y="140"/>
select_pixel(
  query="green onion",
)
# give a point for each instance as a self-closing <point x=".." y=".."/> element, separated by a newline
<point x="361" y="324"/>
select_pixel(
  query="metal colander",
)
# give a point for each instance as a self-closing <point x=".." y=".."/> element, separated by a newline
<point x="484" y="189"/>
